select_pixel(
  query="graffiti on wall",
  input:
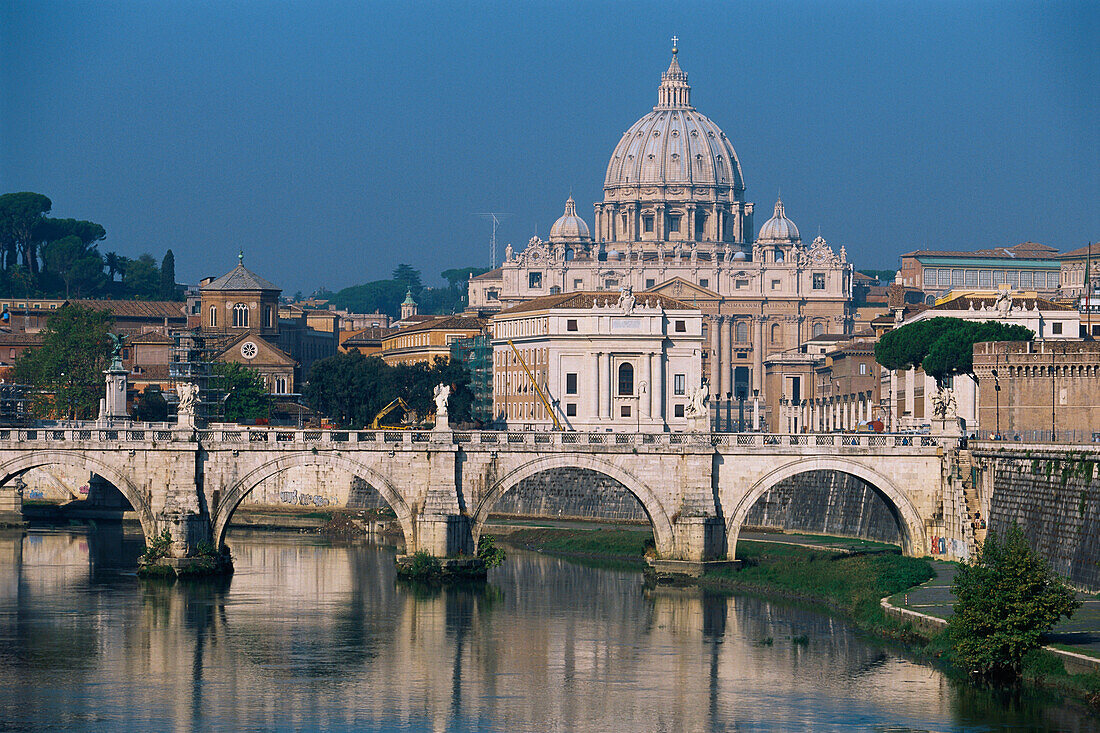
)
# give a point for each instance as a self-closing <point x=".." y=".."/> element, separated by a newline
<point x="303" y="499"/>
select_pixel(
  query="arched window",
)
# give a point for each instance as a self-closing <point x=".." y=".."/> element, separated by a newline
<point x="240" y="316"/>
<point x="742" y="332"/>
<point x="819" y="328"/>
<point x="626" y="380"/>
<point x="777" y="333"/>
<point x="269" y="317"/>
<point x="213" y="316"/>
<point x="779" y="255"/>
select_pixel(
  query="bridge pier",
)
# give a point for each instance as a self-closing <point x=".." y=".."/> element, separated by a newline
<point x="11" y="504"/>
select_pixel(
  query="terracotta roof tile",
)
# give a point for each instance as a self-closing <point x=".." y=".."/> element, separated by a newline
<point x="152" y="309"/>
<point x="590" y="299"/>
<point x="240" y="278"/>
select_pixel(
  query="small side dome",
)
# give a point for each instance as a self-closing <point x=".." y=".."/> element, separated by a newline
<point x="739" y="256"/>
<point x="570" y="227"/>
<point x="779" y="229"/>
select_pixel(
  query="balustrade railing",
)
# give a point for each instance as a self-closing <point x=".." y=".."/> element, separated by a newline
<point x="290" y="437"/>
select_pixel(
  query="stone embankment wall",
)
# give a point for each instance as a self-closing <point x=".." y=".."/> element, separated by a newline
<point x="1054" y="495"/>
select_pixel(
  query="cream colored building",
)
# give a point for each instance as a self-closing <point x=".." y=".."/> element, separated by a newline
<point x="603" y="362"/>
<point x="674" y="221"/>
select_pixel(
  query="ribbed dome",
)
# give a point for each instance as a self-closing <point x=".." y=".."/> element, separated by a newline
<point x="674" y="144"/>
<point x="779" y="229"/>
<point x="569" y="227"/>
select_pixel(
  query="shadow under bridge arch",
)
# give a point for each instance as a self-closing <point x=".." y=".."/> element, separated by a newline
<point x="658" y="518"/>
<point x="910" y="524"/>
<point x="83" y="462"/>
<point x="236" y="494"/>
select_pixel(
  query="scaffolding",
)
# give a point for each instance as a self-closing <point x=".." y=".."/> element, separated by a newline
<point x="13" y="405"/>
<point x="476" y="355"/>
<point x="191" y="361"/>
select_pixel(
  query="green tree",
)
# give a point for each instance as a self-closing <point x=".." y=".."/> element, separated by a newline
<point x="247" y="399"/>
<point x="151" y="406"/>
<point x="141" y="278"/>
<point x="20" y="217"/>
<point x="381" y="296"/>
<point x="458" y="278"/>
<point x="67" y="369"/>
<point x="1006" y="598"/>
<point x="114" y="264"/>
<point x="88" y="232"/>
<point x="168" y="289"/>
<point x="943" y="347"/>
<point x="408" y="276"/>
<point x="78" y="267"/>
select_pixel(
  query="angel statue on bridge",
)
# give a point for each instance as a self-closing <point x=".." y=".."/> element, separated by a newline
<point x="441" y="395"/>
<point x="188" y="395"/>
<point x="698" y="400"/>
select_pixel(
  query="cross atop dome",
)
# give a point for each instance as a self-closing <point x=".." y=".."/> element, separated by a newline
<point x="674" y="41"/>
<point x="674" y="91"/>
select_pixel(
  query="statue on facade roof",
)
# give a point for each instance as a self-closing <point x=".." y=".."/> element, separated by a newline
<point x="626" y="299"/>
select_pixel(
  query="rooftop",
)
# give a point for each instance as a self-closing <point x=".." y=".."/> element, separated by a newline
<point x="582" y="300"/>
<point x="240" y="278"/>
<point x="158" y="309"/>
<point x="441" y="323"/>
<point x="1024" y="250"/>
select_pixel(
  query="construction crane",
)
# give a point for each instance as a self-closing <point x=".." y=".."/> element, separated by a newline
<point x="538" y="390"/>
<point x="386" y="411"/>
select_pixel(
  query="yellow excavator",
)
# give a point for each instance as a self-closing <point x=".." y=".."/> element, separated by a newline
<point x="538" y="390"/>
<point x="376" y="423"/>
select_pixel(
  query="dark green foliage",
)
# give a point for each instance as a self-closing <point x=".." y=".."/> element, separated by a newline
<point x="489" y="552"/>
<point x="151" y="406"/>
<point x="168" y="289"/>
<point x="20" y="216"/>
<point x="351" y="388"/>
<point x="943" y="347"/>
<point x="157" y="548"/>
<point x="141" y="278"/>
<point x="1007" y="597"/>
<point x="67" y="369"/>
<point x="385" y="296"/>
<point x="247" y="399"/>
<point x="408" y="277"/>
<point x="424" y="566"/>
<point x="79" y="268"/>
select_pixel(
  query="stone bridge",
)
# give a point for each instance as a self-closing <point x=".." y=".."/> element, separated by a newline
<point x="697" y="488"/>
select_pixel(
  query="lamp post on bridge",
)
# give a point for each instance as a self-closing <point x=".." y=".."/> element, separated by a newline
<point x="729" y="409"/>
<point x="997" y="390"/>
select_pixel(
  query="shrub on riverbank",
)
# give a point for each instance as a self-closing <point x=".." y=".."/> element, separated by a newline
<point x="613" y="544"/>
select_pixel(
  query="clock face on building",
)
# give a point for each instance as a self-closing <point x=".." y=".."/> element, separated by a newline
<point x="249" y="350"/>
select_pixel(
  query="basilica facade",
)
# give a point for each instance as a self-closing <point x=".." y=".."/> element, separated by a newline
<point x="674" y="221"/>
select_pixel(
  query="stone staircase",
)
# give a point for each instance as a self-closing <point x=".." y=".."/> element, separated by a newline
<point x="973" y="505"/>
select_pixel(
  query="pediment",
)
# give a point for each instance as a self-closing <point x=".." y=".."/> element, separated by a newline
<point x="266" y="353"/>
<point x="679" y="288"/>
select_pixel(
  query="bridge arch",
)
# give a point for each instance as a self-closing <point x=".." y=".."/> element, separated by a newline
<point x="651" y="503"/>
<point x="83" y="462"/>
<point x="232" y="498"/>
<point x="910" y="525"/>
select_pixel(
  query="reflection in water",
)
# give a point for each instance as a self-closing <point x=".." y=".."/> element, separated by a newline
<point x="307" y="635"/>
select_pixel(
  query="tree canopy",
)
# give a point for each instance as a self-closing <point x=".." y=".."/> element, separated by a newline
<point x="385" y="296"/>
<point x="943" y="347"/>
<point x="53" y="258"/>
<point x="246" y="399"/>
<point x="1007" y="597"/>
<point x="67" y="369"/>
<point x="350" y="389"/>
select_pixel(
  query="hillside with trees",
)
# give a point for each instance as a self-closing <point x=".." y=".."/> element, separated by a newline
<point x="385" y="296"/>
<point x="43" y="257"/>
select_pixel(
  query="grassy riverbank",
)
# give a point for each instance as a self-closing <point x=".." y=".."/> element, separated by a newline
<point x="849" y="584"/>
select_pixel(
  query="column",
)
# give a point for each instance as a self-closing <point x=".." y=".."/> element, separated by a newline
<point x="644" y="401"/>
<point x="597" y="393"/>
<point x="725" y="362"/>
<point x="609" y="393"/>
<point x="758" y="355"/>
<point x="715" y="340"/>
<point x="658" y="388"/>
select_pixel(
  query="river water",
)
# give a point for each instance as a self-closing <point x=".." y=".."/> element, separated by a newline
<point x="310" y="636"/>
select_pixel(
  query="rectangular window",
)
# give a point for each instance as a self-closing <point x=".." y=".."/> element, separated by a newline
<point x="956" y="278"/>
<point x="945" y="278"/>
<point x="681" y="327"/>
<point x="1013" y="278"/>
<point x="624" y="411"/>
<point x="647" y="223"/>
<point x="1056" y="328"/>
<point x="649" y="283"/>
<point x="819" y="281"/>
<point x="570" y="409"/>
<point x="679" y="385"/>
<point x="611" y="284"/>
<point x="571" y="324"/>
<point x="492" y="295"/>
<point x="674" y="223"/>
<point x="971" y="280"/>
<point x="985" y="278"/>
<point x="534" y="279"/>
<point x="741" y="284"/>
<point x="578" y="284"/>
<point x="704" y="283"/>
<point x="862" y="368"/>
<point x="775" y="285"/>
<point x="678" y="410"/>
<point x="999" y="278"/>
<point x="1025" y="279"/>
<point x="571" y="384"/>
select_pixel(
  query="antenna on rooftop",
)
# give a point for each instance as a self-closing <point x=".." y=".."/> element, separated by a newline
<point x="494" y="216"/>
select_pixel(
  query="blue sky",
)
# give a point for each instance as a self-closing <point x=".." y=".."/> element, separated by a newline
<point x="333" y="140"/>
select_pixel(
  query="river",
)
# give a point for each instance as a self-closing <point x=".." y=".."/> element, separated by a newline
<point x="308" y="635"/>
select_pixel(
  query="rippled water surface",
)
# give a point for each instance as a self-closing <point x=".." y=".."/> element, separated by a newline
<point x="306" y="635"/>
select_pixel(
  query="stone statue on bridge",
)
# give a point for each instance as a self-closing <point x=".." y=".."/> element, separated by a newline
<point x="441" y="395"/>
<point x="185" y="410"/>
<point x="698" y="402"/>
<point x="943" y="404"/>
